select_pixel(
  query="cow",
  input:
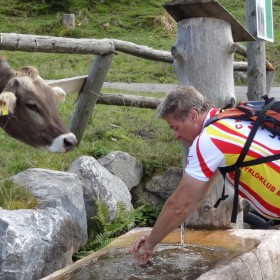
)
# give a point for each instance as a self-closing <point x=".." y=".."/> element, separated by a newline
<point x="28" y="109"/>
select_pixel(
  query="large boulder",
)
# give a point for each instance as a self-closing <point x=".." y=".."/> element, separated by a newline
<point x="164" y="184"/>
<point x="99" y="184"/>
<point x="64" y="187"/>
<point x="124" y="166"/>
<point x="156" y="190"/>
<point x="35" y="243"/>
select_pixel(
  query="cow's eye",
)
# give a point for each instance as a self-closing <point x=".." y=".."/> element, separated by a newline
<point x="32" y="106"/>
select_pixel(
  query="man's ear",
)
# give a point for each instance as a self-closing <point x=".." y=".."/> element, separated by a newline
<point x="7" y="103"/>
<point x="193" y="114"/>
<point x="60" y="94"/>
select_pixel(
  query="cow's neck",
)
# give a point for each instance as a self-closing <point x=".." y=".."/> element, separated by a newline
<point x="3" y="121"/>
<point x="5" y="74"/>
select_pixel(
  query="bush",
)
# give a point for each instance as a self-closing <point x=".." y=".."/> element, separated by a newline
<point x="106" y="231"/>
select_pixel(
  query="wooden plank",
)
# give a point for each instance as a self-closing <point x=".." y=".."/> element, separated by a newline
<point x="69" y="85"/>
<point x="184" y="9"/>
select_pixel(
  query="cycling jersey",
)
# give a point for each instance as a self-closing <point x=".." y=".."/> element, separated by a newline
<point x="220" y="144"/>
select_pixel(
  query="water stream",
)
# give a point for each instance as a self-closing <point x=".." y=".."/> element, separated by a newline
<point x="182" y="237"/>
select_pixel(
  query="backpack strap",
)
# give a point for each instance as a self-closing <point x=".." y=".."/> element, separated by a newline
<point x="223" y="196"/>
<point x="240" y="161"/>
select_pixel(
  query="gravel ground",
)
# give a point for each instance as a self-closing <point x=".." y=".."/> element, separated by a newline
<point x="240" y="91"/>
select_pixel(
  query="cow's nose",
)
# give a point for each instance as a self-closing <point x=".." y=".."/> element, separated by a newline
<point x="70" y="141"/>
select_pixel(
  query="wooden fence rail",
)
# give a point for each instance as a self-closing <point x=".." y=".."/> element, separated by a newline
<point x="89" y="86"/>
<point x="49" y="44"/>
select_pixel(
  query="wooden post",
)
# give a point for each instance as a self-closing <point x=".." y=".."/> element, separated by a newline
<point x="203" y="57"/>
<point x="256" y="73"/>
<point x="69" y="21"/>
<point x="89" y="95"/>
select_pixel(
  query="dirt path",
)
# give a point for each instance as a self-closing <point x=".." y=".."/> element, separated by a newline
<point x="240" y="91"/>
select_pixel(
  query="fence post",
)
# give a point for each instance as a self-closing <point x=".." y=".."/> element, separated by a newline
<point x="256" y="72"/>
<point x="203" y="58"/>
<point x="89" y="95"/>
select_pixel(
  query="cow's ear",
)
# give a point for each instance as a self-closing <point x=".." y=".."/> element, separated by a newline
<point x="7" y="103"/>
<point x="60" y="94"/>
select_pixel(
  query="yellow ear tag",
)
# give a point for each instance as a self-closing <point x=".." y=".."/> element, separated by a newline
<point x="4" y="109"/>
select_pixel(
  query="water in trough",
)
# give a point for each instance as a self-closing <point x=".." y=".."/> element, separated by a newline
<point x="180" y="260"/>
<point x="169" y="262"/>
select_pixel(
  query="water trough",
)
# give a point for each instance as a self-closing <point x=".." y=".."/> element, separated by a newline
<point x="219" y="254"/>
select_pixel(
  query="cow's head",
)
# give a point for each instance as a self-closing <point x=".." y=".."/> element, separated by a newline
<point x="28" y="110"/>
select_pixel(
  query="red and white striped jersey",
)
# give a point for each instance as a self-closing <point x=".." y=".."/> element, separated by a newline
<point x="220" y="144"/>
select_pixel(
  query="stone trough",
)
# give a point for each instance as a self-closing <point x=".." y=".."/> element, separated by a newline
<point x="219" y="254"/>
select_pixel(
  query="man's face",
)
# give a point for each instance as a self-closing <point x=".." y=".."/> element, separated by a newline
<point x="185" y="130"/>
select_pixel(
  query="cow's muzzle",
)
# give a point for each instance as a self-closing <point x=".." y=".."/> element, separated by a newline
<point x="63" y="143"/>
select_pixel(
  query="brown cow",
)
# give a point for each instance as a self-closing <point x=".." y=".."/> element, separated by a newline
<point x="28" y="110"/>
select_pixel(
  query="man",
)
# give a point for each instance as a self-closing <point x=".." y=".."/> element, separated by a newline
<point x="217" y="145"/>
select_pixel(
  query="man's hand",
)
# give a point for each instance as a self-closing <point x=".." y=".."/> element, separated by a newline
<point x="141" y="252"/>
<point x="178" y="207"/>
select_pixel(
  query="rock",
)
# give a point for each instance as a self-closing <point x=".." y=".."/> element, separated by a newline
<point x="124" y="166"/>
<point x="164" y="184"/>
<point x="140" y="197"/>
<point x="157" y="189"/>
<point x="37" y="242"/>
<point x="98" y="183"/>
<point x="64" y="187"/>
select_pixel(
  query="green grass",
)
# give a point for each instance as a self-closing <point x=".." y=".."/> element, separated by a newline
<point x="133" y="130"/>
<point x="13" y="197"/>
<point x="138" y="24"/>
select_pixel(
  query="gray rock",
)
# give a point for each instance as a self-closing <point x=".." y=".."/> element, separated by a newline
<point x="124" y="166"/>
<point x="64" y="188"/>
<point x="98" y="183"/>
<point x="37" y="242"/>
<point x="164" y="184"/>
<point x="141" y="196"/>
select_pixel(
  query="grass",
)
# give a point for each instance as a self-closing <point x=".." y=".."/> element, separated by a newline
<point x="111" y="128"/>
<point x="13" y="197"/>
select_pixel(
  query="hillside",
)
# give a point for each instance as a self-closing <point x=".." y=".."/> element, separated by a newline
<point x="140" y="22"/>
<point x="112" y="128"/>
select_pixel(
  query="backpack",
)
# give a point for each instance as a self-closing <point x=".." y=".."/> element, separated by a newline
<point x="264" y="114"/>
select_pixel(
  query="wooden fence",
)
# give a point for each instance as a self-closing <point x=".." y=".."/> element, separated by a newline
<point x="89" y="87"/>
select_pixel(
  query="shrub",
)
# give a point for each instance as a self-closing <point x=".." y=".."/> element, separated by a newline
<point x="104" y="231"/>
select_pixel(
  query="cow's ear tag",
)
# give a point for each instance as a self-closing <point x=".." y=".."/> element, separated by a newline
<point x="4" y="109"/>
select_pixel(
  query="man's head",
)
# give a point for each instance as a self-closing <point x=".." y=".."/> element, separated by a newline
<point x="184" y="109"/>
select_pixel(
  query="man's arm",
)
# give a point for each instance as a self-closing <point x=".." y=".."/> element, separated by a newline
<point x="178" y="207"/>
